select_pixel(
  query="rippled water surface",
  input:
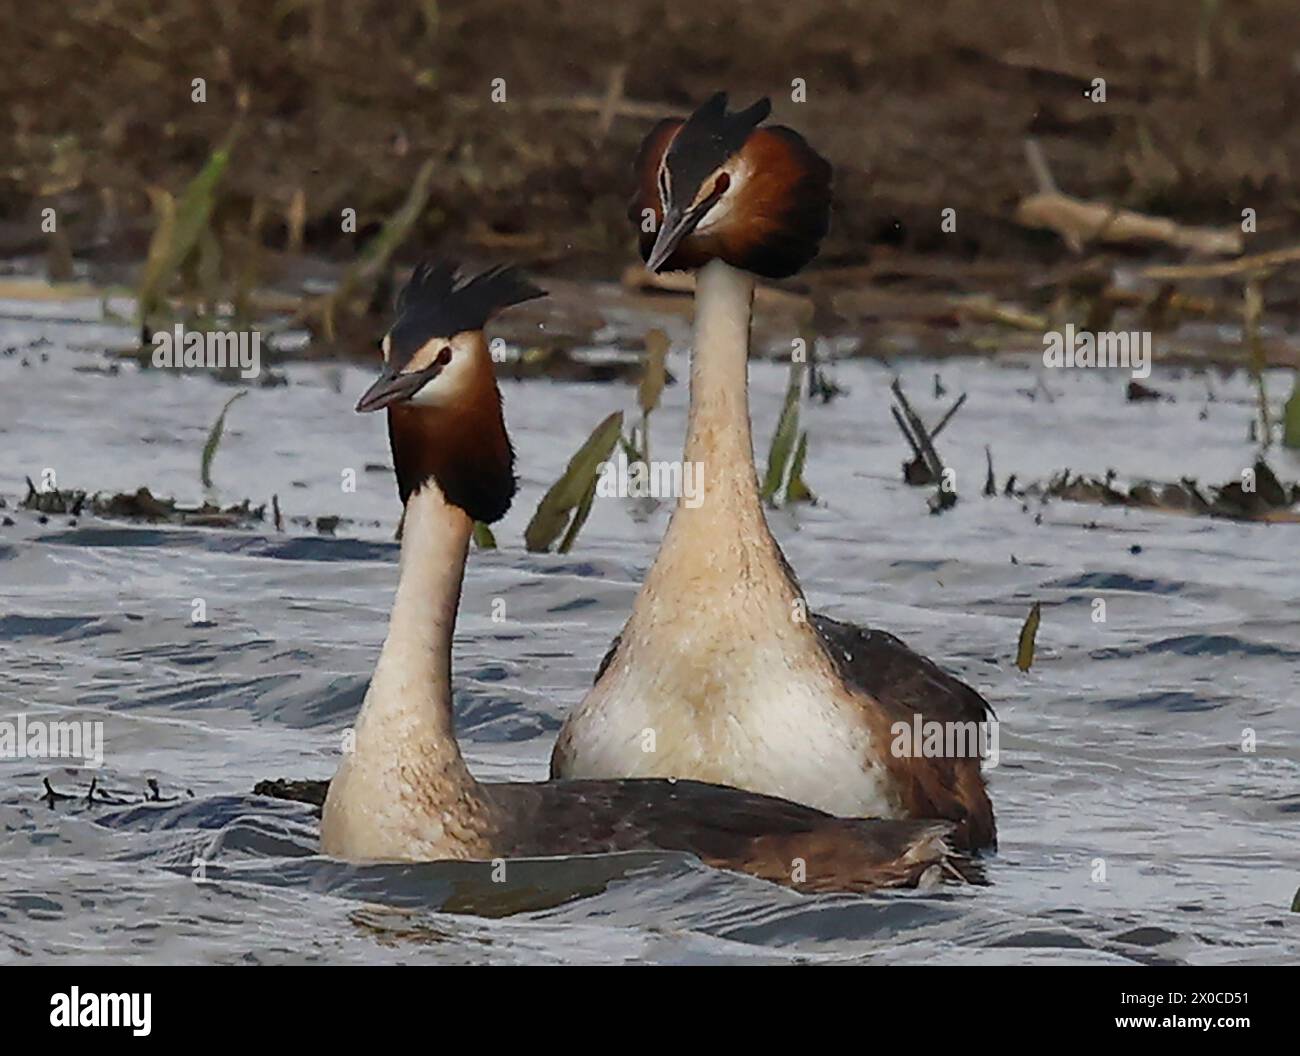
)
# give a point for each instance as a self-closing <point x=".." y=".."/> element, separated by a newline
<point x="1133" y="826"/>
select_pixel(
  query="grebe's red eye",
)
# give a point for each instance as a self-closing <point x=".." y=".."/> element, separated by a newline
<point x="444" y="357"/>
<point x="721" y="184"/>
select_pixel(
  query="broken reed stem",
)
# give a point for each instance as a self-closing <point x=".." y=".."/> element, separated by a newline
<point x="931" y="456"/>
<point x="1255" y="350"/>
<point x="1038" y="166"/>
<point x="948" y="417"/>
<point x="613" y="97"/>
<point x="1256" y="262"/>
<point x="907" y="433"/>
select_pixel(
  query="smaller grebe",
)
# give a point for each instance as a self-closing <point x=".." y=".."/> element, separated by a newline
<point x="721" y="658"/>
<point x="405" y="791"/>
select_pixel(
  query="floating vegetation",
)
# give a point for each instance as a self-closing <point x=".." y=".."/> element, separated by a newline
<point x="573" y="493"/>
<point x="483" y="537"/>
<point x="312" y="792"/>
<point x="95" y="794"/>
<point x="1258" y="496"/>
<point x="141" y="505"/>
<point x="1028" y="638"/>
<point x="1136" y="392"/>
<point x="214" y="441"/>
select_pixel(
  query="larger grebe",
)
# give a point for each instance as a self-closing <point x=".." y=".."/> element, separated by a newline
<point x="719" y="674"/>
<point x="405" y="792"/>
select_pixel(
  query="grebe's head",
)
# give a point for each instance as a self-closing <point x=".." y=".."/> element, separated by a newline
<point x="439" y="387"/>
<point x="722" y="185"/>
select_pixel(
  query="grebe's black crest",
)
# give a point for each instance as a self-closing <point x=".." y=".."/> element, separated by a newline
<point x="435" y="302"/>
<point x="708" y="139"/>
<point x="723" y="185"/>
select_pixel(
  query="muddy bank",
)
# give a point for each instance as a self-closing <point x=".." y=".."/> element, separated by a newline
<point x="498" y="132"/>
<point x="920" y="107"/>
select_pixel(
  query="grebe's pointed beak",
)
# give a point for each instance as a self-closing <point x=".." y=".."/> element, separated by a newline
<point x="676" y="226"/>
<point x="392" y="387"/>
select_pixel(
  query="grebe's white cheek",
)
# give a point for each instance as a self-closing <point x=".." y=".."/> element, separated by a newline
<point x="386" y="345"/>
<point x="722" y="208"/>
<point x="451" y="384"/>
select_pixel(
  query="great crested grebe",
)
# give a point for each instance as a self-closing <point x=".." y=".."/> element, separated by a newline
<point x="719" y="674"/>
<point x="404" y="791"/>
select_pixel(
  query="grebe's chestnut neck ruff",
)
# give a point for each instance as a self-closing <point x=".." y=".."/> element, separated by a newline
<point x="439" y="385"/>
<point x="719" y="657"/>
<point x="404" y="791"/>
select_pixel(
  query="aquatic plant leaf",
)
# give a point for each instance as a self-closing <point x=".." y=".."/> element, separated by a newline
<point x="483" y="537"/>
<point x="652" y="381"/>
<point x="214" y="441"/>
<point x="570" y="491"/>
<point x="151" y="280"/>
<point x="579" y="519"/>
<point x="783" y="440"/>
<point x="180" y="226"/>
<point x="1291" y="417"/>
<point x="796" y="490"/>
<point x="628" y="444"/>
<point x="1028" y="635"/>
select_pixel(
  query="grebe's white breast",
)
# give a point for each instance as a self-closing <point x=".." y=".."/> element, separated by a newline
<point x="733" y="701"/>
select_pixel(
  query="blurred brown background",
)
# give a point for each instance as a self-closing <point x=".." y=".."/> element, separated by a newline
<point x="921" y="106"/>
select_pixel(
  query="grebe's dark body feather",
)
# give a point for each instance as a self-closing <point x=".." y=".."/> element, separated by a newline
<point x="763" y="836"/>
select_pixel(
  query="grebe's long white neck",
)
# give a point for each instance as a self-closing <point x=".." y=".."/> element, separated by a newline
<point x="719" y="413"/>
<point x="405" y="745"/>
<point x="727" y="530"/>
<point x="412" y="680"/>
